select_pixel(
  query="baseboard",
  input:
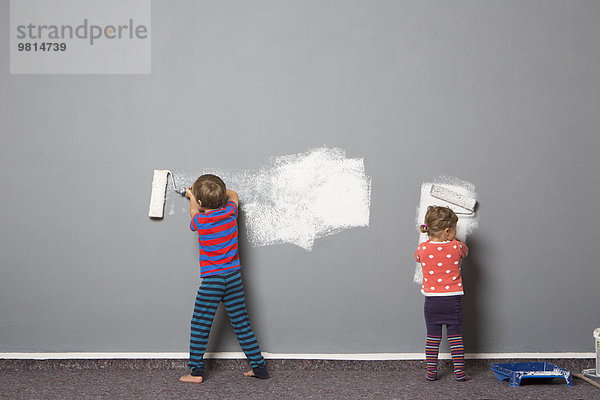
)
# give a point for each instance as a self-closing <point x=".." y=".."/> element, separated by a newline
<point x="287" y="356"/>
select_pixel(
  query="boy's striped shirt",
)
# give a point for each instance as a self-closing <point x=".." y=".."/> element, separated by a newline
<point x="217" y="240"/>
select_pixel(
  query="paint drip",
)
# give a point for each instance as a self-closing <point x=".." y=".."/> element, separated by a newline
<point x="299" y="198"/>
<point x="466" y="223"/>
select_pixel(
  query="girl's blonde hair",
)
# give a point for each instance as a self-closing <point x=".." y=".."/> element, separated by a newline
<point x="437" y="219"/>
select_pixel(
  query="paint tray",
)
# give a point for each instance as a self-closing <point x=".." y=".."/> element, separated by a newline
<point x="514" y="372"/>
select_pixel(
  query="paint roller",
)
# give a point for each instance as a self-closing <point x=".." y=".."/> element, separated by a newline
<point x="160" y="182"/>
<point x="452" y="197"/>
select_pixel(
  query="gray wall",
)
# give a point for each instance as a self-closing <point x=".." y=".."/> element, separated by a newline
<point x="503" y="94"/>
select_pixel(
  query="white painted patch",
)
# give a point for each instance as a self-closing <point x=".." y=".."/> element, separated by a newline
<point x="300" y="197"/>
<point x="466" y="223"/>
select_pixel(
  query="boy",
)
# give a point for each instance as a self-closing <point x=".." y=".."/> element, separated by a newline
<point x="214" y="211"/>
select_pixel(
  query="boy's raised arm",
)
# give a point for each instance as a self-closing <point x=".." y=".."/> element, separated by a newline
<point x="194" y="205"/>
<point x="232" y="196"/>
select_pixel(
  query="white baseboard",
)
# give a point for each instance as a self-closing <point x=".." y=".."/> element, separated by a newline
<point x="287" y="356"/>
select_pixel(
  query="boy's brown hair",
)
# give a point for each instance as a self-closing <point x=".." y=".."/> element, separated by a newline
<point x="438" y="219"/>
<point x="210" y="190"/>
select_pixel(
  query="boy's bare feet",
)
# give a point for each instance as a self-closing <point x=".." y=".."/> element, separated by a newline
<point x="191" y="379"/>
<point x="258" y="372"/>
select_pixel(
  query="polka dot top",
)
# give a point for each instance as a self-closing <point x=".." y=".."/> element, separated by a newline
<point x="440" y="262"/>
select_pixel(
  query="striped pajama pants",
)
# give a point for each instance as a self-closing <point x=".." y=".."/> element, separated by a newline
<point x="226" y="288"/>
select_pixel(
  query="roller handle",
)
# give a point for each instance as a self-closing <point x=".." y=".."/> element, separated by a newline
<point x="181" y="191"/>
<point x="588" y="380"/>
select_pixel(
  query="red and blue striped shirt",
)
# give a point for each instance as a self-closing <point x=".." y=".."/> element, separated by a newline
<point x="217" y="240"/>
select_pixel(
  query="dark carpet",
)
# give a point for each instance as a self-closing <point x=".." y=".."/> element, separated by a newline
<point x="290" y="379"/>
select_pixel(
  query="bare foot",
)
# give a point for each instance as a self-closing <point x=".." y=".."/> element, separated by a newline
<point x="258" y="372"/>
<point x="191" y="379"/>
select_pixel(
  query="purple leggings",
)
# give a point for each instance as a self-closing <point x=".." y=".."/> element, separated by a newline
<point x="443" y="310"/>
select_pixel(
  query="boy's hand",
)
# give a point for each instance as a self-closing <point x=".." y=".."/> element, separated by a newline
<point x="188" y="193"/>
<point x="232" y="196"/>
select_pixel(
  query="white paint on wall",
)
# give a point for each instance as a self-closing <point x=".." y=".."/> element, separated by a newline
<point x="298" y="198"/>
<point x="466" y="223"/>
<point x="307" y="196"/>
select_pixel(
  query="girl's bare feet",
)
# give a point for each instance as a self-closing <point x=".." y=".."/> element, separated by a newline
<point x="249" y="373"/>
<point x="191" y="379"/>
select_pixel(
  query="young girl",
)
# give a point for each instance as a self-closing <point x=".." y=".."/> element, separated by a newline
<point x="440" y="259"/>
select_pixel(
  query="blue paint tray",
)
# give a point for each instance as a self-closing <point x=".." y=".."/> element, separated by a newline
<point x="514" y="372"/>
